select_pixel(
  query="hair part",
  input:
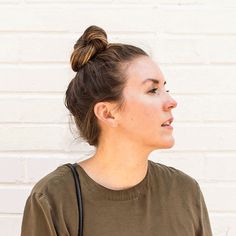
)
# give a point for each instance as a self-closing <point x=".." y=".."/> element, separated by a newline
<point x="100" y="76"/>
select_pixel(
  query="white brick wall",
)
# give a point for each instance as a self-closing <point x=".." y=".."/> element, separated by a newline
<point x="194" y="41"/>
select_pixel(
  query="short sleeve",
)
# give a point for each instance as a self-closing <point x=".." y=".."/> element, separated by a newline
<point x="37" y="217"/>
<point x="204" y="221"/>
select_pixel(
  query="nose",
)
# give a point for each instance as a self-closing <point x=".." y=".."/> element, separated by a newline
<point x="171" y="103"/>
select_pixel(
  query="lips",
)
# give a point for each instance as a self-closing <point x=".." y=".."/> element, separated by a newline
<point x="168" y="122"/>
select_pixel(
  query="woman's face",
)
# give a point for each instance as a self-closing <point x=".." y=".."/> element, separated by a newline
<point x="147" y="106"/>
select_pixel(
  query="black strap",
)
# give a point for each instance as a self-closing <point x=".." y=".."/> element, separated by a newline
<point x="78" y="195"/>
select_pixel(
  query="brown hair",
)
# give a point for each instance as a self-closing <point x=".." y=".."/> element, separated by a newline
<point x="100" y="76"/>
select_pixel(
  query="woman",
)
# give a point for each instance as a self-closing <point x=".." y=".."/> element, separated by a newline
<point x="120" y="105"/>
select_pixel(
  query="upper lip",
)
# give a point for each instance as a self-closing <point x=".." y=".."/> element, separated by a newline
<point x="170" y="120"/>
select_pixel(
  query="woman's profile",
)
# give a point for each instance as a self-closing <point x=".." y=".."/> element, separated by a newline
<point x="120" y="105"/>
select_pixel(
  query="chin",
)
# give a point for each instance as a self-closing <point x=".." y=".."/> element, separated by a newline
<point x="167" y="144"/>
<point x="170" y="143"/>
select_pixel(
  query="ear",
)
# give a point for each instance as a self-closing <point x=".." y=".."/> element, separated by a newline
<point x="104" y="113"/>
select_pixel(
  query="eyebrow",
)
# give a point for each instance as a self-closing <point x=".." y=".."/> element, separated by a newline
<point x="155" y="81"/>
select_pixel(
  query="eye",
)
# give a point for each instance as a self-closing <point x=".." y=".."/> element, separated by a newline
<point x="153" y="90"/>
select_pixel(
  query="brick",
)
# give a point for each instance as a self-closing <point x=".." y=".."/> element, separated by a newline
<point x="10" y="48"/>
<point x="145" y="41"/>
<point x="16" y="173"/>
<point x="34" y="109"/>
<point x="38" y="18"/>
<point x="204" y="137"/>
<point x="197" y="20"/>
<point x="41" y="48"/>
<point x="180" y="50"/>
<point x="219" y="3"/>
<point x="40" y="137"/>
<point x="206" y="108"/>
<point x="39" y="166"/>
<point x="218" y="167"/>
<point x="48" y="18"/>
<point x="10" y="224"/>
<point x="172" y="2"/>
<point x="8" y="203"/>
<point x="191" y="163"/>
<point x="57" y="48"/>
<point x="197" y="80"/>
<point x="222" y="49"/>
<point x="9" y="1"/>
<point x="70" y="1"/>
<point x="223" y="223"/>
<point x="215" y="192"/>
<point x="35" y="78"/>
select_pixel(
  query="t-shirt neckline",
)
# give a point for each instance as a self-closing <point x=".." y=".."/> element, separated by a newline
<point x="98" y="190"/>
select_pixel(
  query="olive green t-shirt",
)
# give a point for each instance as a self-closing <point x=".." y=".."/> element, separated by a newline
<point x="167" y="202"/>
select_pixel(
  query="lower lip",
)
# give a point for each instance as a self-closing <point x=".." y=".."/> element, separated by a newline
<point x="168" y="127"/>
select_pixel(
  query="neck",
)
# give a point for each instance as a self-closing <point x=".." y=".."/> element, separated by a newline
<point x="117" y="166"/>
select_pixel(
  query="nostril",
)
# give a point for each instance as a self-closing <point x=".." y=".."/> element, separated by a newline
<point x="174" y="105"/>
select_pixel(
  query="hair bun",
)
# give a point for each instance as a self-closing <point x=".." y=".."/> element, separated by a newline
<point x="93" y="41"/>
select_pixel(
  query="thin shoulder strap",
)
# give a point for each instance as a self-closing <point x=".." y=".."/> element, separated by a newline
<point x="78" y="195"/>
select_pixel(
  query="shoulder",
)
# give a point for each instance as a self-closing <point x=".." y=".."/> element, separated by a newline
<point x="173" y="177"/>
<point x="54" y="183"/>
<point x="46" y="208"/>
<point x="170" y="171"/>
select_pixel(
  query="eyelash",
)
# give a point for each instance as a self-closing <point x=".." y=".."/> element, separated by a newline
<point x="157" y="89"/>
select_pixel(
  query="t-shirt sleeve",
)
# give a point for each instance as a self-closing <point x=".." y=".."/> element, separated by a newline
<point x="37" y="217"/>
<point x="204" y="224"/>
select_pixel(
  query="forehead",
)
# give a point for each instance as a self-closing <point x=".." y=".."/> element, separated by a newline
<point x="143" y="71"/>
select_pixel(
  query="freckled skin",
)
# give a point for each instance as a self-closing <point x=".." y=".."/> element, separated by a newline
<point x="145" y="112"/>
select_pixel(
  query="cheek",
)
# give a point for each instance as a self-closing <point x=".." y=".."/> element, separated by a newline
<point x="143" y="112"/>
<point x="151" y="115"/>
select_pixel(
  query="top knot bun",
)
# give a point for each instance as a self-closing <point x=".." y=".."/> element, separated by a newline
<point x="93" y="41"/>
